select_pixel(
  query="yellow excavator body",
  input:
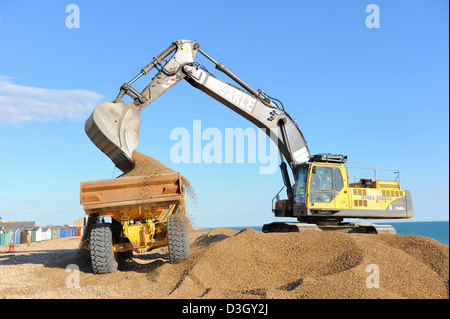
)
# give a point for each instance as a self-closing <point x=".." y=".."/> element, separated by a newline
<point x="365" y="195"/>
<point x="323" y="196"/>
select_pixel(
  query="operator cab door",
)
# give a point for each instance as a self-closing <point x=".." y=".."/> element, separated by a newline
<point x="326" y="188"/>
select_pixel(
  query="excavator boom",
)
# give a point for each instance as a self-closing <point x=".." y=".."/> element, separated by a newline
<point x="114" y="127"/>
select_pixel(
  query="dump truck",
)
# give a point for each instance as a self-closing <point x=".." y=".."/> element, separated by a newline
<point x="146" y="212"/>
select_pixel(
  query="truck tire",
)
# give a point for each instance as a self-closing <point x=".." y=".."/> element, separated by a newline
<point x="177" y="238"/>
<point x="92" y="219"/>
<point x="102" y="255"/>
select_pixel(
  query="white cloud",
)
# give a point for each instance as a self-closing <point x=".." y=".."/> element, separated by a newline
<point x="24" y="104"/>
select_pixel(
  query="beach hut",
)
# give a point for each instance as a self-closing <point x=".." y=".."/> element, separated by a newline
<point x="55" y="233"/>
<point x="64" y="232"/>
<point x="16" y="236"/>
<point x="23" y="236"/>
<point x="33" y="234"/>
<point x="2" y="236"/>
<point x="36" y="234"/>
<point x="39" y="234"/>
<point x="8" y="237"/>
<point x="46" y="233"/>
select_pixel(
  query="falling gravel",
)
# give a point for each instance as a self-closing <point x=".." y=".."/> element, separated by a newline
<point x="148" y="166"/>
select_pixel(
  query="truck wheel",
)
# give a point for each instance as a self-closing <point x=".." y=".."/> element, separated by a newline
<point x="102" y="255"/>
<point x="92" y="219"/>
<point x="177" y="238"/>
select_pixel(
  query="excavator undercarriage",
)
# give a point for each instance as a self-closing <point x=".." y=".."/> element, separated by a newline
<point x="349" y="227"/>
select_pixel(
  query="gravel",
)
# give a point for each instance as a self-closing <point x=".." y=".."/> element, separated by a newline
<point x="225" y="263"/>
<point x="148" y="166"/>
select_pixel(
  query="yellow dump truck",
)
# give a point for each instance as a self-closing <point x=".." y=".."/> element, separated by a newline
<point x="146" y="212"/>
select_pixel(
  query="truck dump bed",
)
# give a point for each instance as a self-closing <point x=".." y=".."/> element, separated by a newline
<point x="130" y="192"/>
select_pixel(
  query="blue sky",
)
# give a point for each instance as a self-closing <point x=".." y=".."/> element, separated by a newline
<point x="379" y="95"/>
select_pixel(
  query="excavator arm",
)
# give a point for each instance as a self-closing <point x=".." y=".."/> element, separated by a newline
<point x="114" y="127"/>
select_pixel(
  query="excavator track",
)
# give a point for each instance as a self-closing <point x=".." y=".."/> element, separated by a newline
<point x="361" y="228"/>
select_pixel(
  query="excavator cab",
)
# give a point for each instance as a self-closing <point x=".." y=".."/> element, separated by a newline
<point x="317" y="182"/>
<point x="325" y="184"/>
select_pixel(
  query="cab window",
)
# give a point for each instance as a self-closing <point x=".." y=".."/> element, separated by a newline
<point x="326" y="183"/>
<point x="322" y="178"/>
<point x="300" y="186"/>
<point x="339" y="181"/>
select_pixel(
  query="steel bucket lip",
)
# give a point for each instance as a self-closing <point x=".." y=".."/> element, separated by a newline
<point x="114" y="128"/>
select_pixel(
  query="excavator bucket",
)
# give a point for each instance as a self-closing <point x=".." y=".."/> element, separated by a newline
<point x="114" y="129"/>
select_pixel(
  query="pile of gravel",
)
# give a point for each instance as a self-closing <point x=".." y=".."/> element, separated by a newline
<point x="313" y="264"/>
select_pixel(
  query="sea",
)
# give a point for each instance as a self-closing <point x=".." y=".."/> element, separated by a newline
<point x="437" y="230"/>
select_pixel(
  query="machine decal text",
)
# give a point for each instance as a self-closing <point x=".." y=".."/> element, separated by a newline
<point x="235" y="96"/>
<point x="376" y="197"/>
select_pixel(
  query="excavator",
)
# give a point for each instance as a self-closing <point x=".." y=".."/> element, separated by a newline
<point x="321" y="195"/>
